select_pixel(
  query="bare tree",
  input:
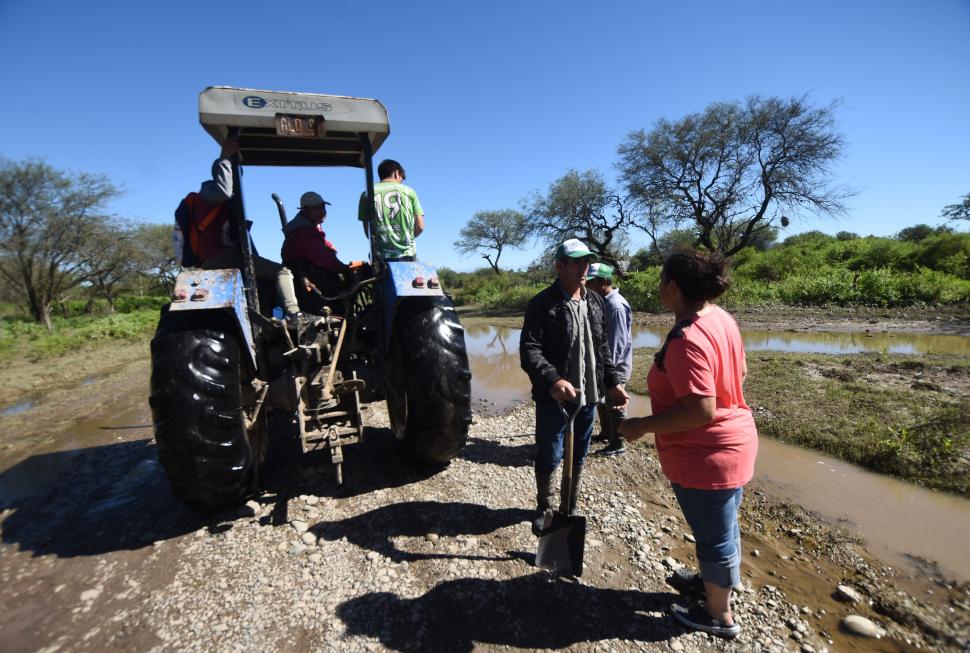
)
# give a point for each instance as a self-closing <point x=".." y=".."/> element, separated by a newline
<point x="156" y="254"/>
<point x="733" y="170"/>
<point x="581" y="205"/>
<point x="489" y="231"/>
<point x="46" y="219"/>
<point x="958" y="211"/>
<point x="112" y="258"/>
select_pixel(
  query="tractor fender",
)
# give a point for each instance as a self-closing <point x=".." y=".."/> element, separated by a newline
<point x="401" y="283"/>
<point x="216" y="290"/>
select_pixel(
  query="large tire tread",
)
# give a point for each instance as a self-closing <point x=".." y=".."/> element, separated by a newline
<point x="196" y="396"/>
<point x="431" y="364"/>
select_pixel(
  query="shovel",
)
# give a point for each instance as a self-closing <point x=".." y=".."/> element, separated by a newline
<point x="563" y="537"/>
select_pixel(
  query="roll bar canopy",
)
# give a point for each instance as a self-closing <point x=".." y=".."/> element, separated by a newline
<point x="294" y="129"/>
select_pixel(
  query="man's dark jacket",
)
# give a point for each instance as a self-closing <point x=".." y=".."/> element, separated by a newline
<point x="546" y="335"/>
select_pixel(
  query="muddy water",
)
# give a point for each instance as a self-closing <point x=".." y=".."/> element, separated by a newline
<point x="47" y="464"/>
<point x="16" y="409"/>
<point x="898" y="520"/>
<point x="829" y="342"/>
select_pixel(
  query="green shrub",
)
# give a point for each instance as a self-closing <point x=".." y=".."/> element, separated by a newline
<point x="120" y="326"/>
<point x="873" y="253"/>
<point x="21" y="337"/>
<point x="641" y="289"/>
<point x="811" y="269"/>
<point x="515" y="298"/>
<point x="832" y="286"/>
<point x="746" y="292"/>
<point x="130" y="304"/>
<point x="885" y="287"/>
<point x="946" y="252"/>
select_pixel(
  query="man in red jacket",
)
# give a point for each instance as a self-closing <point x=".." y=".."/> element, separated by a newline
<point x="306" y="242"/>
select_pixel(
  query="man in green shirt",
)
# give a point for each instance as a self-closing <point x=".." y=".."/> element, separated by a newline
<point x="400" y="218"/>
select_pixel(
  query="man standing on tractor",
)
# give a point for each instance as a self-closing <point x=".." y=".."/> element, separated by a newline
<point x="564" y="351"/>
<point x="400" y="218"/>
<point x="619" y="327"/>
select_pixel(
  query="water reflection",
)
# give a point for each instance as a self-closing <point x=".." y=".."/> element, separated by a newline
<point x="493" y="356"/>
<point x="16" y="409"/>
<point x="483" y="338"/>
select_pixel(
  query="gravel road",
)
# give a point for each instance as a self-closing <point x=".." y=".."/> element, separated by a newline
<point x="404" y="559"/>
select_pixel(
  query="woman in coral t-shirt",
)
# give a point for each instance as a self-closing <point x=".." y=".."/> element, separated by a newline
<point x="705" y="433"/>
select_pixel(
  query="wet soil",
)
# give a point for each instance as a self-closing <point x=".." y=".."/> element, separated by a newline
<point x="97" y="555"/>
<point x="59" y="393"/>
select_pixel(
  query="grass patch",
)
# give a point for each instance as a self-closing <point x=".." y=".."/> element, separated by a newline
<point x="907" y="416"/>
<point x="22" y="339"/>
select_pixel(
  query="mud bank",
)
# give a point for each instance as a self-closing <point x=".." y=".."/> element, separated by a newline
<point x="951" y="321"/>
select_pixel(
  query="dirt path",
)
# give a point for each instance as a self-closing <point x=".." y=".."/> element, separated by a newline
<point x="96" y="555"/>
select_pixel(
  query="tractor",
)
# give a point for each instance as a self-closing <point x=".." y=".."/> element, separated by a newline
<point x="223" y="358"/>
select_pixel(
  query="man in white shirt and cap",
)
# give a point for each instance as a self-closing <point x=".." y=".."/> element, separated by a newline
<point x="619" y="336"/>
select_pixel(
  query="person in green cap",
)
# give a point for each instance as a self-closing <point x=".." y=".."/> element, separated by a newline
<point x="399" y="219"/>
<point x="619" y="336"/>
<point x="564" y="351"/>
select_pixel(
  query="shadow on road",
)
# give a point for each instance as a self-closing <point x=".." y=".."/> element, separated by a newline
<point x="532" y="612"/>
<point x="374" y="530"/>
<point x="375" y="463"/>
<point x="91" y="501"/>
<point x="492" y="452"/>
<point x="114" y="497"/>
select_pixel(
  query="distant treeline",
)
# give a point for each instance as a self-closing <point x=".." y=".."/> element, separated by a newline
<point x="920" y="266"/>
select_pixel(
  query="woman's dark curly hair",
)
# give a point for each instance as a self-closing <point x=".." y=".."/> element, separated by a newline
<point x="699" y="275"/>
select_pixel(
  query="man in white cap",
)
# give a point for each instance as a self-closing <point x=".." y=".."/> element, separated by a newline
<point x="564" y="351"/>
<point x="305" y="242"/>
<point x="305" y="238"/>
<point x="619" y="328"/>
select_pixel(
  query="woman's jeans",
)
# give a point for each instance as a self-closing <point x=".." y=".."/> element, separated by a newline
<point x="550" y="428"/>
<point x="713" y="517"/>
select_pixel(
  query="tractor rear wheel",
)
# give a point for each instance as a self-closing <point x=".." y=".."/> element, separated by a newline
<point x="202" y="404"/>
<point x="428" y="387"/>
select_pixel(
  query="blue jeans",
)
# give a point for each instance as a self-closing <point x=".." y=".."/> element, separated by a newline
<point x="713" y="517"/>
<point x="550" y="428"/>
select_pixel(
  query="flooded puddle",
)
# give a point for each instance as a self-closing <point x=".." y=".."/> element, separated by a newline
<point x="828" y="342"/>
<point x="897" y="519"/>
<point x="16" y="409"/>
<point x="44" y="467"/>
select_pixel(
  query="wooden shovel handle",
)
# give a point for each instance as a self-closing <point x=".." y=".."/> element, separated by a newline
<point x="567" y="471"/>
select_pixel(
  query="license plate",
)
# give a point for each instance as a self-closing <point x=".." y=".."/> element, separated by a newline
<point x="290" y="124"/>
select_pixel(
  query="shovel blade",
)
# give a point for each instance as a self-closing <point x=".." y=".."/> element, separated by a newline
<point x="562" y="544"/>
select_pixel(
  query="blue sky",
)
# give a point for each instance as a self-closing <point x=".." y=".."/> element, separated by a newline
<point x="487" y="101"/>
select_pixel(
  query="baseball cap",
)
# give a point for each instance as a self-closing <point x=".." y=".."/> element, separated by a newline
<point x="310" y="198"/>
<point x="574" y="248"/>
<point x="601" y="270"/>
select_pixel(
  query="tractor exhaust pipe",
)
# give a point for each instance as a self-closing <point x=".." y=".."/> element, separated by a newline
<point x="282" y="211"/>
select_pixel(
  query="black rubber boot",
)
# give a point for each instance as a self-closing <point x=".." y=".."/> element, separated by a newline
<point x="544" y="499"/>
